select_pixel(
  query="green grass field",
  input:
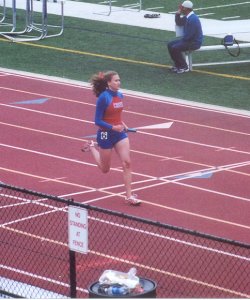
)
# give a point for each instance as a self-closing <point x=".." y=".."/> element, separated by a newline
<point x="138" y="54"/>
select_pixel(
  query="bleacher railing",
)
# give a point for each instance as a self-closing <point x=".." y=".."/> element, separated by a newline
<point x="35" y="260"/>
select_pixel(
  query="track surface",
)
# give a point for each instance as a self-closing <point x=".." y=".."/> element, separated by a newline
<point x="193" y="175"/>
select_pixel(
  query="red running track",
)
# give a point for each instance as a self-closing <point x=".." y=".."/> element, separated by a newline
<point x="194" y="175"/>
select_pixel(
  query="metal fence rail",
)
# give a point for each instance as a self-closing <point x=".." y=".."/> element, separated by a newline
<point x="36" y="263"/>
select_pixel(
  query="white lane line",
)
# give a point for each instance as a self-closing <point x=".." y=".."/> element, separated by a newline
<point x="166" y="179"/>
<point x="150" y="203"/>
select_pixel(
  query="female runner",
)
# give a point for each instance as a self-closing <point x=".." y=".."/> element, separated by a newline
<point x="112" y="130"/>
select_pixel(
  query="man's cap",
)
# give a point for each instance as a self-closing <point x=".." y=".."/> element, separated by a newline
<point x="187" y="4"/>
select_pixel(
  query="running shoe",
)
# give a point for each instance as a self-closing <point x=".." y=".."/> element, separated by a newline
<point x="132" y="200"/>
<point x="86" y="146"/>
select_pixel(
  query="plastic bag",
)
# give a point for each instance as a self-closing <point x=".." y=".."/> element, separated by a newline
<point x="115" y="277"/>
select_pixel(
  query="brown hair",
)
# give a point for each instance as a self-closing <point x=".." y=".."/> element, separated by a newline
<point x="100" y="81"/>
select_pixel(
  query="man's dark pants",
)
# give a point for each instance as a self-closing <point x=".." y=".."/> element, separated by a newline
<point x="175" y="49"/>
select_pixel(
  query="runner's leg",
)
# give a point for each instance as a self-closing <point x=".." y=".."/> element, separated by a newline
<point x="102" y="158"/>
<point x="123" y="150"/>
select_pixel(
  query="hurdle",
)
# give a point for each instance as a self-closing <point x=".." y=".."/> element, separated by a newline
<point x="13" y="30"/>
<point x="3" y="11"/>
<point x="3" y="14"/>
<point x="132" y="6"/>
<point x="39" y="30"/>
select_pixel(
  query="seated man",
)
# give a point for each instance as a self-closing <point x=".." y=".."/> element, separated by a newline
<point x="191" y="39"/>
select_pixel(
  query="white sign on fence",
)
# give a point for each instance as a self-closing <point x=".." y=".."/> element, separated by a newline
<point x="78" y="229"/>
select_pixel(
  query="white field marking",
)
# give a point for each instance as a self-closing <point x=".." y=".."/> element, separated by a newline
<point x="217" y="6"/>
<point x="41" y="177"/>
<point x="207" y="14"/>
<point x="81" y="161"/>
<point x="150" y="203"/>
<point x="189" y="123"/>
<point x="212" y="169"/>
<point x="191" y="174"/>
<point x="90" y="122"/>
<point x="185" y="212"/>
<point x="79" y="193"/>
<point x="233" y="17"/>
<point x="40" y="201"/>
<point x="67" y="159"/>
<point x="194" y="174"/>
<point x="121" y="185"/>
<point x="136" y="265"/>
<point x="193" y="143"/>
<point x="24" y="201"/>
<point x="164" y="237"/>
<point x="154" y="8"/>
<point x="208" y="170"/>
<point x="47" y="180"/>
<point x="171" y="158"/>
<point x="58" y="181"/>
<point x="223" y="149"/>
<point x="222" y="6"/>
<point x="166" y="273"/>
<point x="157" y="270"/>
<point x="136" y="113"/>
<point x="188" y="104"/>
<point x="34" y="275"/>
<point x="177" y="181"/>
<point x="130" y="112"/>
<point x="46" y="113"/>
<point x="142" y="132"/>
<point x="138" y="95"/>
<point x="65" y="209"/>
<point x="42" y="131"/>
<point x="213" y="191"/>
<point x="183" y="161"/>
<point x="54" y="209"/>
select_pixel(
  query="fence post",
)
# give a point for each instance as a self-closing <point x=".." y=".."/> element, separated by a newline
<point x="72" y="273"/>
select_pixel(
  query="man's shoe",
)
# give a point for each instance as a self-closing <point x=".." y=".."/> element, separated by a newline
<point x="182" y="70"/>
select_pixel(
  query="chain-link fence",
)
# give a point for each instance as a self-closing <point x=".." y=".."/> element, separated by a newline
<point x="35" y="258"/>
